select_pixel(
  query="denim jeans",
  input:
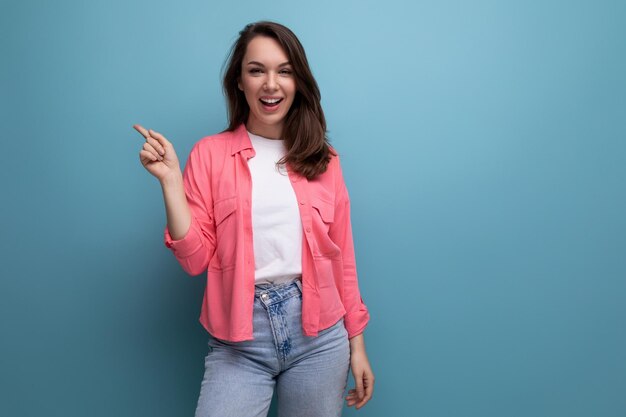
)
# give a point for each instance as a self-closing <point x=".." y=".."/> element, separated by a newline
<point x="309" y="373"/>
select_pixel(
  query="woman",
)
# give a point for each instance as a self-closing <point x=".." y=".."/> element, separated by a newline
<point x="263" y="210"/>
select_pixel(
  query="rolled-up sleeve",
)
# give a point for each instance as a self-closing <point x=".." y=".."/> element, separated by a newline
<point x="194" y="250"/>
<point x="357" y="315"/>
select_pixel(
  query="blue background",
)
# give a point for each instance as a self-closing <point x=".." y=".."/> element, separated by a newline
<point x="483" y="145"/>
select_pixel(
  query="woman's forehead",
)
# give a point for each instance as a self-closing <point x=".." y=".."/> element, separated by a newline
<point x="263" y="50"/>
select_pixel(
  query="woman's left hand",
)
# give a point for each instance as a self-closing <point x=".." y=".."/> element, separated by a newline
<point x="363" y="378"/>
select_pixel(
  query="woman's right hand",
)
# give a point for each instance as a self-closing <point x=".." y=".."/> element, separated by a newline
<point x="158" y="155"/>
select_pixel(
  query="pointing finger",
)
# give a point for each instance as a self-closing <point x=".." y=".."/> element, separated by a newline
<point x="141" y="130"/>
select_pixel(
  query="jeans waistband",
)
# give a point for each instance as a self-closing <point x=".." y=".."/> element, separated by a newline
<point x="271" y="293"/>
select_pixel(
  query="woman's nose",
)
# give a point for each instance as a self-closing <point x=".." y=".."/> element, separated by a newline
<point x="271" y="83"/>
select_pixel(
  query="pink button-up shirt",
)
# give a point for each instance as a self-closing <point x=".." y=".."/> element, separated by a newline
<point x="218" y="187"/>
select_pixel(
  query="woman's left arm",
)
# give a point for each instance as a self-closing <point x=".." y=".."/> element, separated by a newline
<point x="357" y="315"/>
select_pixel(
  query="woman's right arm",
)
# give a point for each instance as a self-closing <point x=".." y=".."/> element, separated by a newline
<point x="190" y="231"/>
<point x="176" y="206"/>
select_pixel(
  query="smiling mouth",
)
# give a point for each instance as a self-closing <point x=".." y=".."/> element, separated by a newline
<point x="268" y="104"/>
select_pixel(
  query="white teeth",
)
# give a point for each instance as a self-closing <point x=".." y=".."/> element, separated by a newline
<point x="271" y="100"/>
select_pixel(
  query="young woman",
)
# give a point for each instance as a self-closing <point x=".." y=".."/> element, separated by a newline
<point x="263" y="210"/>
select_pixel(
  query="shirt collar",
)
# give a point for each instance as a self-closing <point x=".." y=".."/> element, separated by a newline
<point x="240" y="140"/>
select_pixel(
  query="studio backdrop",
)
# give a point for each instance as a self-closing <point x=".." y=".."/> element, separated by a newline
<point x="483" y="146"/>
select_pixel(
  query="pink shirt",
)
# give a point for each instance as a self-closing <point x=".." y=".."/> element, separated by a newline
<point x="218" y="187"/>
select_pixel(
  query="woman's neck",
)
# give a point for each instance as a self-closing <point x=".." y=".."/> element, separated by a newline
<point x="266" y="131"/>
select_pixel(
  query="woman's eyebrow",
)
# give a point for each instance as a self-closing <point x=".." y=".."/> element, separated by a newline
<point x="258" y="63"/>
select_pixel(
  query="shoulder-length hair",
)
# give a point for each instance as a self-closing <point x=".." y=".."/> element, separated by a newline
<point x="304" y="132"/>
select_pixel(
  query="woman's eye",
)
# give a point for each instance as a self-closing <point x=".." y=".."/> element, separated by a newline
<point x="257" y="70"/>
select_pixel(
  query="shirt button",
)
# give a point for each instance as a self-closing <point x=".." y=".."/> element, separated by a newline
<point x="302" y="202"/>
<point x="308" y="229"/>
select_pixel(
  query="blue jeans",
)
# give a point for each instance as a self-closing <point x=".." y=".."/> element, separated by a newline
<point x="309" y="373"/>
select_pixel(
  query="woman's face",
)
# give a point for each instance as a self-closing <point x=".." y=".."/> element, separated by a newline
<point x="266" y="74"/>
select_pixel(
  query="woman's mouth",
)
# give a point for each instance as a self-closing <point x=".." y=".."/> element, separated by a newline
<point x="270" y="104"/>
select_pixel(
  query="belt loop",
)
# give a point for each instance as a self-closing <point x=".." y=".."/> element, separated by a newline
<point x="299" y="284"/>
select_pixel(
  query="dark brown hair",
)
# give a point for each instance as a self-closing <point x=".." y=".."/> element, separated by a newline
<point x="304" y="132"/>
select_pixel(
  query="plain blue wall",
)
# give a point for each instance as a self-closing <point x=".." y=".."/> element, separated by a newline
<point x="484" y="148"/>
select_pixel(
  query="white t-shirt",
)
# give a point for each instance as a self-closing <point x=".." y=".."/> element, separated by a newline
<point x="276" y="224"/>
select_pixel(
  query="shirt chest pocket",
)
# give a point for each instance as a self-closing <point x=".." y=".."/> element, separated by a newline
<point x="224" y="208"/>
<point x="323" y="209"/>
<point x="224" y="212"/>
<point x="322" y="217"/>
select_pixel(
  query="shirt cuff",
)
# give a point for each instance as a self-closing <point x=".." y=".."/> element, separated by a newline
<point x="186" y="246"/>
<point x="356" y="321"/>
